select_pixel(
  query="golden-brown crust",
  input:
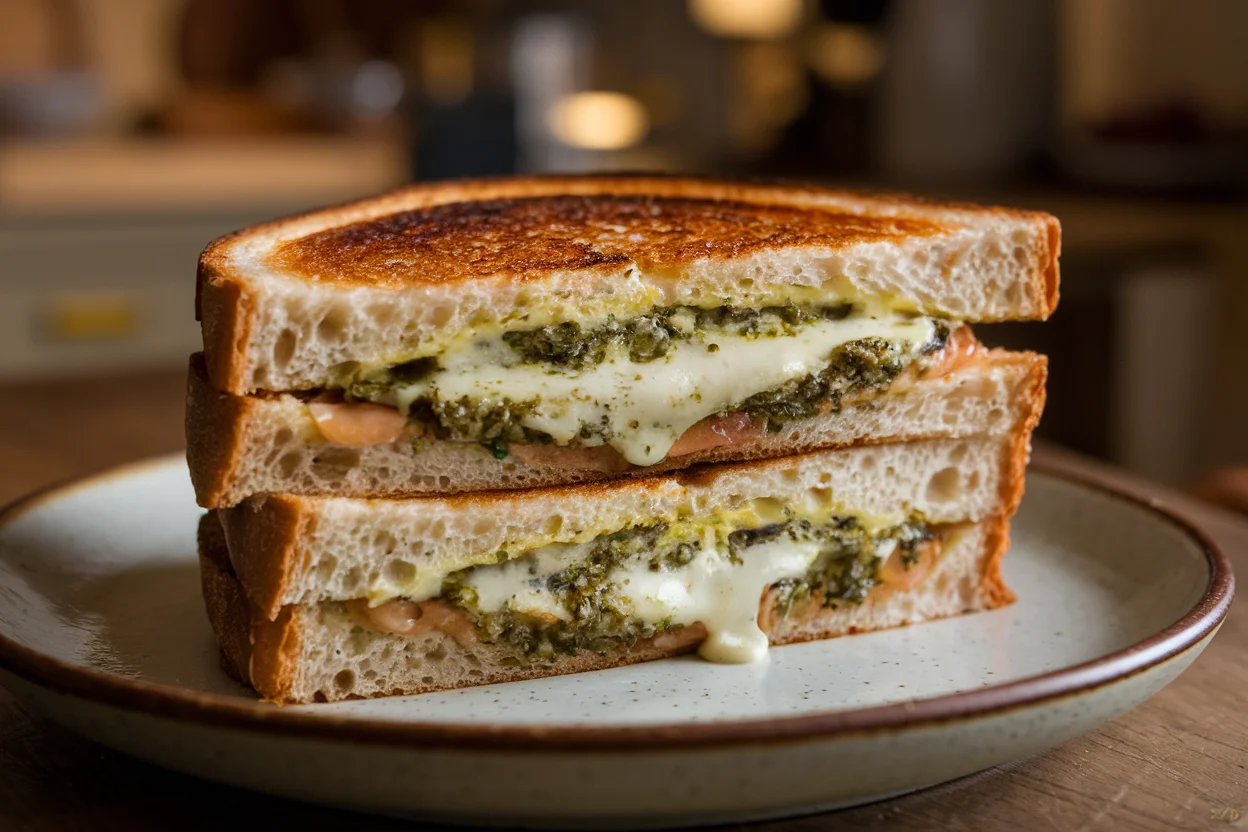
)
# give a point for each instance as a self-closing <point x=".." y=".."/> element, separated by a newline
<point x="214" y="263"/>
<point x="992" y="585"/>
<point x="254" y="650"/>
<point x="1049" y="257"/>
<point x="527" y="237"/>
<point x="216" y="429"/>
<point x="263" y="535"/>
<point x="1013" y="479"/>
<point x="224" y="600"/>
<point x="222" y="305"/>
<point x="275" y="650"/>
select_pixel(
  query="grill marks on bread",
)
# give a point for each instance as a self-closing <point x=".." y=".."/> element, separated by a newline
<point x="530" y="237"/>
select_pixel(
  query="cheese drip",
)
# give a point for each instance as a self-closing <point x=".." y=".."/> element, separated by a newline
<point x="645" y="407"/>
<point x="712" y="589"/>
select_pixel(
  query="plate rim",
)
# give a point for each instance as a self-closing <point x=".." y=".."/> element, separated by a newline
<point x="210" y="709"/>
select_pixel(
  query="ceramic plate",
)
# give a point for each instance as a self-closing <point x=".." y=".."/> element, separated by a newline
<point x="102" y="629"/>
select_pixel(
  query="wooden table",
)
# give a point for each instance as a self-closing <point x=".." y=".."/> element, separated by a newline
<point x="1180" y="761"/>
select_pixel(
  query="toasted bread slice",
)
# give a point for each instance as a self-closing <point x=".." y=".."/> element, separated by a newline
<point x="243" y="445"/>
<point x="298" y="550"/>
<point x="318" y="652"/>
<point x="290" y="304"/>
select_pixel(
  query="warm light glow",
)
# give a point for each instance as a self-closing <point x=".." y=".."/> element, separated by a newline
<point x="845" y="56"/>
<point x="598" y="120"/>
<point x="757" y="19"/>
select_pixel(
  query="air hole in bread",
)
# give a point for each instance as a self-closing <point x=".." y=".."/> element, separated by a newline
<point x="944" y="485"/>
<point x="482" y="524"/>
<point x="400" y="572"/>
<point x="505" y="661"/>
<point x="745" y="283"/>
<point x="972" y="482"/>
<point x="289" y="463"/>
<point x="441" y="315"/>
<point x="552" y="525"/>
<point x="475" y="673"/>
<point x="791" y="475"/>
<point x="995" y="415"/>
<point x="334" y="462"/>
<point x="325" y="567"/>
<point x="344" y="681"/>
<point x="438" y="529"/>
<point x="735" y="500"/>
<point x="426" y="680"/>
<point x="825" y="478"/>
<point x="436" y="655"/>
<point x="890" y="472"/>
<point x="444" y="481"/>
<point x="343" y="369"/>
<point x="1014" y="294"/>
<point x="821" y="496"/>
<point x="868" y="463"/>
<point x="794" y="436"/>
<point x="354" y="577"/>
<point x="384" y="539"/>
<point x="283" y="436"/>
<point x="471" y="659"/>
<point x="959" y="453"/>
<point x="383" y="314"/>
<point x="481" y="316"/>
<point x="284" y="349"/>
<point x="369" y="675"/>
<point x="333" y="325"/>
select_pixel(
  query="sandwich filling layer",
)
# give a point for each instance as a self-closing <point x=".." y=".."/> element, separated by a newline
<point x="639" y="385"/>
<point x="708" y="580"/>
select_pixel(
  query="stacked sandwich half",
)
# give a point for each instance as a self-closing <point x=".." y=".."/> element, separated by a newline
<point x="476" y="432"/>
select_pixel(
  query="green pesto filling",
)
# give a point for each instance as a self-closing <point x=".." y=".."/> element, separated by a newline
<point x="867" y="364"/>
<point x="649" y="337"/>
<point x="845" y="570"/>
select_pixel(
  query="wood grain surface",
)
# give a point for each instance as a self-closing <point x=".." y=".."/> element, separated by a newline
<point x="1180" y="761"/>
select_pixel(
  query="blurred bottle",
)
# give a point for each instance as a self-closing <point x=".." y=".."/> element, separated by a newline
<point x="967" y="91"/>
<point x="465" y="113"/>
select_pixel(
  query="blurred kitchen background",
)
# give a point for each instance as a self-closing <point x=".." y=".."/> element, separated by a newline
<point x="132" y="132"/>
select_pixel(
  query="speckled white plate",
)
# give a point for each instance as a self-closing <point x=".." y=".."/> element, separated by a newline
<point x="102" y="629"/>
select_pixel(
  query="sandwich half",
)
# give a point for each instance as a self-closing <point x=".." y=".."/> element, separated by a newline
<point x="543" y="331"/>
<point x="327" y="598"/>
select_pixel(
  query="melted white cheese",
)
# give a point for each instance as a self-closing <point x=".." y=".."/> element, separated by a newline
<point x="648" y="406"/>
<point x="722" y="595"/>
<point x="711" y="589"/>
<point x="521" y="584"/>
